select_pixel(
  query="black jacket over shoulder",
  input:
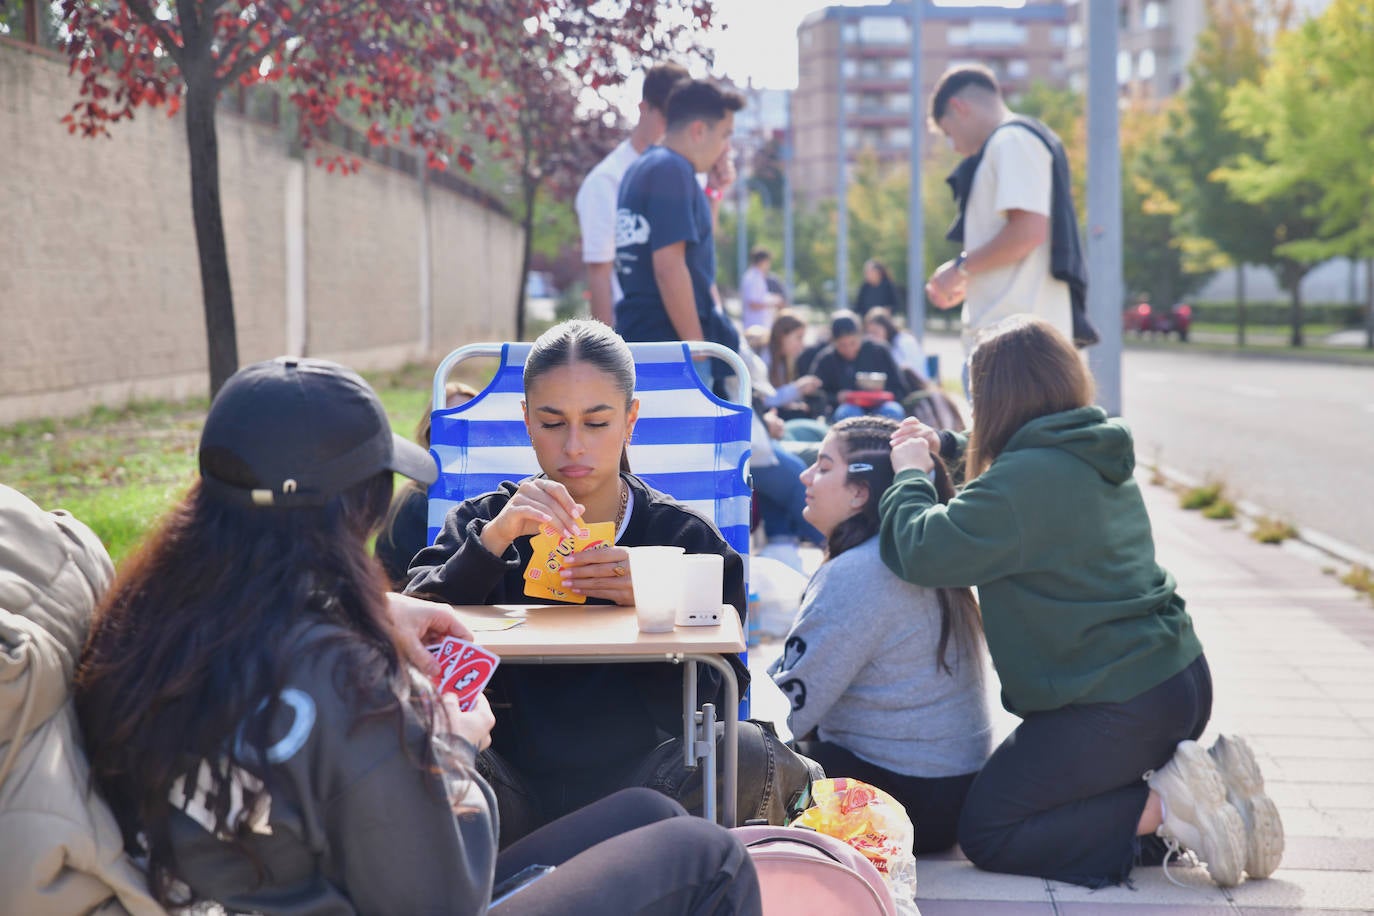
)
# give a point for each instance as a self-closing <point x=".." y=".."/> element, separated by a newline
<point x="575" y="716"/>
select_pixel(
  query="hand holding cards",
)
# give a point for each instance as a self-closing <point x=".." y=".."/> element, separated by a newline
<point x="464" y="669"/>
<point x="543" y="576"/>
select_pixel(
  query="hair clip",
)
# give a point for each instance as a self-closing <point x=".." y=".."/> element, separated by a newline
<point x="859" y="467"/>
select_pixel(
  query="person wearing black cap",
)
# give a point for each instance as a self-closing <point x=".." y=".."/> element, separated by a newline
<point x="253" y="716"/>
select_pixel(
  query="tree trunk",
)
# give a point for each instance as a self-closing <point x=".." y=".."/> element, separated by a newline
<point x="531" y="189"/>
<point x="1240" y="305"/>
<point x="1295" y="312"/>
<point x="217" y="297"/>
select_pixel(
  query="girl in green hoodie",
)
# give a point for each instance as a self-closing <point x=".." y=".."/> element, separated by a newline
<point x="1092" y="643"/>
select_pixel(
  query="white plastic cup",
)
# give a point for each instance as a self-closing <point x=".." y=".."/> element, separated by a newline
<point x="656" y="573"/>
<point x="702" y="584"/>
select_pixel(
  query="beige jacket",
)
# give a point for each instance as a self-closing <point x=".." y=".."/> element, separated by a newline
<point x="60" y="849"/>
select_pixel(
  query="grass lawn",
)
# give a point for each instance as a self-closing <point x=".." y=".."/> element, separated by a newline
<point x="118" y="470"/>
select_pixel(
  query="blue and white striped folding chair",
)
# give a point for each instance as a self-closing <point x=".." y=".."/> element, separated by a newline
<point x="687" y="442"/>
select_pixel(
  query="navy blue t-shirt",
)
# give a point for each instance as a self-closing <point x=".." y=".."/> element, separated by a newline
<point x="661" y="204"/>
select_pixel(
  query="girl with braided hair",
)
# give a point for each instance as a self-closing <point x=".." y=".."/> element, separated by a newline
<point x="885" y="677"/>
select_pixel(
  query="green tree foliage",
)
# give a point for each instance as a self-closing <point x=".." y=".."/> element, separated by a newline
<point x="1155" y="261"/>
<point x="1306" y="114"/>
<point x="1224" y="228"/>
<point x="1311" y="111"/>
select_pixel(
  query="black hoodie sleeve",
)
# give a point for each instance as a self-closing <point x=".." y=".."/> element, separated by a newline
<point x="458" y="568"/>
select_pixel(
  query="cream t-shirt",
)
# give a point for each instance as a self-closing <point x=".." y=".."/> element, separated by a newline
<point x="596" y="204"/>
<point x="1016" y="173"/>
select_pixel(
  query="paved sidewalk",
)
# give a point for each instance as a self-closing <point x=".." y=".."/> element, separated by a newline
<point x="1292" y="657"/>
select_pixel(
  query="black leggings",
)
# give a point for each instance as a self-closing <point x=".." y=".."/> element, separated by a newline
<point x="636" y="851"/>
<point x="932" y="803"/>
<point x="1061" y="797"/>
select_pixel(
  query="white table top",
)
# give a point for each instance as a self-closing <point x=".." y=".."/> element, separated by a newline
<point x="594" y="630"/>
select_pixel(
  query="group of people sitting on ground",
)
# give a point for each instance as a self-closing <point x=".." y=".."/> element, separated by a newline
<point x="256" y="712"/>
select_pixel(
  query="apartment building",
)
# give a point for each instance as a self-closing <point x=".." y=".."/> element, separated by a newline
<point x="1155" y="42"/>
<point x="861" y="55"/>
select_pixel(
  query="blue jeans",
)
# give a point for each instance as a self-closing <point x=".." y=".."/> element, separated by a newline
<point x="782" y="497"/>
<point x="885" y="409"/>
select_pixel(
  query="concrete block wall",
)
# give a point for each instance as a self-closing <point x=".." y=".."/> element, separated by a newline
<point x="99" y="277"/>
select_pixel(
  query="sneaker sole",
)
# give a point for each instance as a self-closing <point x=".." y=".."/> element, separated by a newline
<point x="1245" y="790"/>
<point x="1219" y="825"/>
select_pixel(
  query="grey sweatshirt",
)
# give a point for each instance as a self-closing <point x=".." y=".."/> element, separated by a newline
<point x="354" y="825"/>
<point x="859" y="666"/>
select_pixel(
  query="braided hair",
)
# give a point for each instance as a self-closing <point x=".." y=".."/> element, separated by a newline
<point x="865" y="446"/>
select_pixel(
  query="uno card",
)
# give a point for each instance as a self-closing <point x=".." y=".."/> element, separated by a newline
<point x="464" y="669"/>
<point x="549" y="551"/>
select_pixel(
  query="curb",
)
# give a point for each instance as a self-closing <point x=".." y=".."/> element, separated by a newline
<point x="1332" y="547"/>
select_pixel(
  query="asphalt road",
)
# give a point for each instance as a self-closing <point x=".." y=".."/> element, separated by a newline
<point x="1296" y="438"/>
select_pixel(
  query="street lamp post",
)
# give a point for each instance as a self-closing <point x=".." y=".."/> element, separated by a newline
<point x="841" y="183"/>
<point x="1104" y="203"/>
<point x="915" y="243"/>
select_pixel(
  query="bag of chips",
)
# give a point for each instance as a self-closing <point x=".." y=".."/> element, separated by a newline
<point x="871" y="821"/>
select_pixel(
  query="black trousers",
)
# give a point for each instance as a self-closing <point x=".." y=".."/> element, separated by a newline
<point x="1061" y="797"/>
<point x="634" y="852"/>
<point x="932" y="803"/>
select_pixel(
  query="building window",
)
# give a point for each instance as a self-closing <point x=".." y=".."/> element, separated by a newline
<point x="850" y="33"/>
<point x="883" y="30"/>
<point x="899" y="101"/>
<point x="1059" y="36"/>
<point x="1017" y="69"/>
<point x="900" y="69"/>
<point x="1076" y="35"/>
<point x="1123" y="67"/>
<point x="1145" y="64"/>
<point x="1153" y="15"/>
<point x="956" y="35"/>
<point x="850" y="68"/>
<point x="996" y="32"/>
<point x="808" y="38"/>
<point x="899" y="137"/>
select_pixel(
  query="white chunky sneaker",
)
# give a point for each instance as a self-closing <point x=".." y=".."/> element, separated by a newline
<point x="1245" y="790"/>
<point x="1198" y="817"/>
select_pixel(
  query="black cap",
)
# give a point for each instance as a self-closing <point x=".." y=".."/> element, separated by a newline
<point x="298" y="432"/>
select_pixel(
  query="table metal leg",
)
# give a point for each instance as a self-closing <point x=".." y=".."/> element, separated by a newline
<point x="730" y="763"/>
<point x="689" y="714"/>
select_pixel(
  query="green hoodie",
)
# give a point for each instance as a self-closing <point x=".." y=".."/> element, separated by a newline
<point x="1055" y="535"/>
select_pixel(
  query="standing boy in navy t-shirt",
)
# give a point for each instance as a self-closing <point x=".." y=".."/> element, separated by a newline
<point x="665" y="254"/>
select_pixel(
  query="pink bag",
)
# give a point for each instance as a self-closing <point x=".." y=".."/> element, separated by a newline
<point x="805" y="873"/>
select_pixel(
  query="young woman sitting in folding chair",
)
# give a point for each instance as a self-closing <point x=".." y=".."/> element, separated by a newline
<point x="568" y="734"/>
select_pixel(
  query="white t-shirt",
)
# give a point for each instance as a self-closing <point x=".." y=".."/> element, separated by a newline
<point x="596" y="205"/>
<point x="1016" y="174"/>
<point x="753" y="294"/>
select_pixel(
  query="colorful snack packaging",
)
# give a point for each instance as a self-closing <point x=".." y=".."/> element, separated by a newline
<point x="871" y="821"/>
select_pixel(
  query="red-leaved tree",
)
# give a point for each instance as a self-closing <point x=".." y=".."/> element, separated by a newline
<point x="429" y="74"/>
<point x="554" y="145"/>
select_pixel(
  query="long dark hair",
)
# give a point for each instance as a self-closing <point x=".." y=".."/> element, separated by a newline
<point x="865" y="449"/>
<point x="781" y="368"/>
<point x="1021" y="369"/>
<point x="880" y="316"/>
<point x="190" y="652"/>
<point x="584" y="341"/>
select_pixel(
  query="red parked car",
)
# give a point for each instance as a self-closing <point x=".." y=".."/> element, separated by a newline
<point x="1144" y="318"/>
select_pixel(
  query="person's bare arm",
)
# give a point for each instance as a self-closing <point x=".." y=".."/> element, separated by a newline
<point x="675" y="287"/>
<point x="1018" y="237"/>
<point x="599" y="290"/>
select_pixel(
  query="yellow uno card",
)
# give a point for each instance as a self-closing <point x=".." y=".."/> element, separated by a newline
<point x="549" y="550"/>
